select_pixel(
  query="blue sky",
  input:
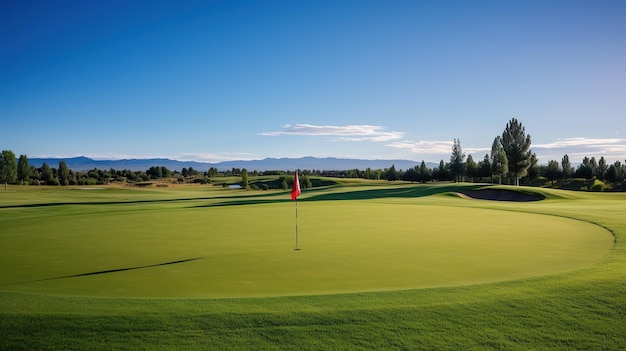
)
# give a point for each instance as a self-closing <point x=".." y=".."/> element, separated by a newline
<point x="225" y="80"/>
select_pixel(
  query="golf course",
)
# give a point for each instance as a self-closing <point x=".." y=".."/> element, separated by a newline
<point x="388" y="265"/>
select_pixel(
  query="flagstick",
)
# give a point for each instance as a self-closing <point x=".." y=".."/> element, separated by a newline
<point x="297" y="248"/>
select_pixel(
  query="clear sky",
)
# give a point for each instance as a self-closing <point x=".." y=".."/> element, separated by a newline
<point x="238" y="80"/>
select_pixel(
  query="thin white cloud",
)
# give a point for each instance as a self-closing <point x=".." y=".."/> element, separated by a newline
<point x="359" y="132"/>
<point x="438" y="147"/>
<point x="424" y="146"/>
<point x="584" y="142"/>
<point x="213" y="158"/>
<point x="578" y="148"/>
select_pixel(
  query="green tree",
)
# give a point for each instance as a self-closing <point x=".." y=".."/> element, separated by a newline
<point x="516" y="144"/>
<point x="566" y="167"/>
<point x="213" y="172"/>
<point x="593" y="165"/>
<point x="553" y="172"/>
<point x="533" y="169"/>
<point x="244" y="178"/>
<point x="611" y="174"/>
<point x="499" y="161"/>
<point x="391" y="173"/>
<point x="283" y="183"/>
<point x="424" y="173"/>
<point x="484" y="167"/>
<point x="46" y="173"/>
<point x="23" y="169"/>
<point x="372" y="174"/>
<point x="411" y="175"/>
<point x="584" y="169"/>
<point x="64" y="173"/>
<point x="305" y="182"/>
<point x="165" y="172"/>
<point x="441" y="173"/>
<point x="614" y="172"/>
<point x="8" y="167"/>
<point x="457" y="165"/>
<point x="602" y="168"/>
<point x="471" y="168"/>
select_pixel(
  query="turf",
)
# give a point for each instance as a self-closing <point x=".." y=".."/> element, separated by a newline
<point x="526" y="301"/>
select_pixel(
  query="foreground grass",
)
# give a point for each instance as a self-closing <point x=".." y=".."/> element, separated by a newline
<point x="583" y="309"/>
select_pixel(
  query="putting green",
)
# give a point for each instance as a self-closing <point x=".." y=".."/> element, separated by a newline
<point x="157" y="250"/>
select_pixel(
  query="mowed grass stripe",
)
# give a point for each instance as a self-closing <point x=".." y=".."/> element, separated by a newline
<point x="246" y="250"/>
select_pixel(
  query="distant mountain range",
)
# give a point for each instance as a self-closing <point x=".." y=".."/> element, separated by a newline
<point x="283" y="164"/>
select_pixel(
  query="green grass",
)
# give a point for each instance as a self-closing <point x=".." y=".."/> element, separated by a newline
<point x="416" y="268"/>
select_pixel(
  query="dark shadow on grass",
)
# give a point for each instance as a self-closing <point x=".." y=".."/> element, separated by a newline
<point x="122" y="202"/>
<point x="108" y="271"/>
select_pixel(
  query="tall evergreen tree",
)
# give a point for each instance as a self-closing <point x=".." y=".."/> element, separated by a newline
<point x="611" y="173"/>
<point x="499" y="161"/>
<point x="244" y="178"/>
<point x="23" y="169"/>
<point x="64" y="173"/>
<point x="484" y="167"/>
<point x="46" y="173"/>
<point x="457" y="165"/>
<point x="411" y="175"/>
<point x="471" y="168"/>
<point x="8" y="167"/>
<point x="553" y="172"/>
<point x="619" y="171"/>
<point x="593" y="165"/>
<point x="533" y="169"/>
<point x="602" y="168"/>
<point x="566" y="167"/>
<point x="516" y="144"/>
<point x="440" y="173"/>
<point x="424" y="173"/>
<point x="391" y="173"/>
<point x="584" y="169"/>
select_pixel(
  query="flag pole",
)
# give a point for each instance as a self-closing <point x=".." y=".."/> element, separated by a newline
<point x="297" y="248"/>
<point x="295" y="191"/>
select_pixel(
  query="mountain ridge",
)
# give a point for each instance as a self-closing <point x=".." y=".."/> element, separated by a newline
<point x="82" y="163"/>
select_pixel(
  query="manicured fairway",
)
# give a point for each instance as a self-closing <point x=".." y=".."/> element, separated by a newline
<point x="382" y="266"/>
<point x="204" y="248"/>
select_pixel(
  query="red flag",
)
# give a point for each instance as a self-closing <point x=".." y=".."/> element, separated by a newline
<point x="295" y="190"/>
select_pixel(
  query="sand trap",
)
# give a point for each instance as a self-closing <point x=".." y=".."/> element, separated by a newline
<point x="501" y="195"/>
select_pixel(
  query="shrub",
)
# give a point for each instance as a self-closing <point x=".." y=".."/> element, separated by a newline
<point x="598" y="186"/>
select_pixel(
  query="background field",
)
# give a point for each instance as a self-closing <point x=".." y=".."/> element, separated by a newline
<point x="560" y="267"/>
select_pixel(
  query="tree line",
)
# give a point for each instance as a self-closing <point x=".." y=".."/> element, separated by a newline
<point x="510" y="161"/>
<point x="18" y="171"/>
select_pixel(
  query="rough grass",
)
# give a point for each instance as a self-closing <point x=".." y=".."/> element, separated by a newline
<point x="583" y="308"/>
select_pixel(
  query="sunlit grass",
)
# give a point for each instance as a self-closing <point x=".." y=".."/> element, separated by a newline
<point x="377" y="233"/>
